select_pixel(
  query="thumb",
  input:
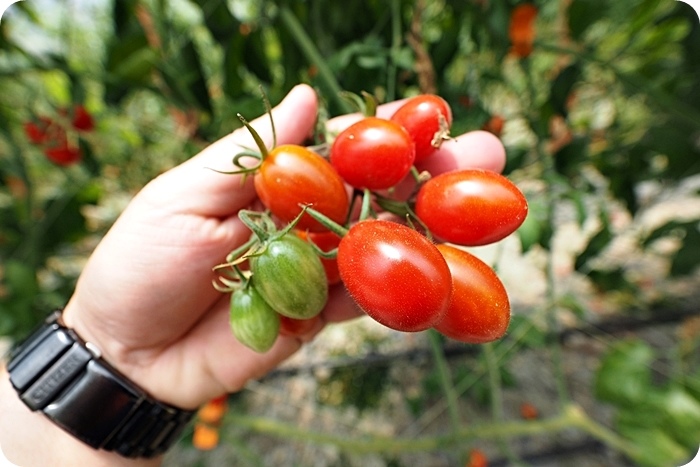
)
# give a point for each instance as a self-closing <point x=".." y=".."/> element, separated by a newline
<point x="193" y="187"/>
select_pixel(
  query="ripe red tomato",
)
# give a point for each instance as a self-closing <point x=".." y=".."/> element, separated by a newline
<point x="82" y="120"/>
<point x="37" y="131"/>
<point x="326" y="241"/>
<point x="480" y="310"/>
<point x="471" y="207"/>
<point x="292" y="327"/>
<point x="427" y="118"/>
<point x="373" y="153"/>
<point x="63" y="155"/>
<point x="395" y="274"/>
<point x="291" y="175"/>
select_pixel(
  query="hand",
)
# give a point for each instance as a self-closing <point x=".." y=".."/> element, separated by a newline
<point x="145" y="297"/>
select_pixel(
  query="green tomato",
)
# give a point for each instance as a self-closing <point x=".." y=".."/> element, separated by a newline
<point x="254" y="323"/>
<point x="290" y="277"/>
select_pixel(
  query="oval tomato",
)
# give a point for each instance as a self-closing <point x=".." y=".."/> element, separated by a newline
<point x="290" y="277"/>
<point x="396" y="275"/>
<point x="253" y="321"/>
<point x="480" y="310"/>
<point x="326" y="241"/>
<point x="291" y="175"/>
<point x="427" y="118"/>
<point x="291" y="327"/>
<point x="373" y="153"/>
<point x="471" y="207"/>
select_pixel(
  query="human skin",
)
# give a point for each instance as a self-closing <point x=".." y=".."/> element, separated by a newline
<point x="145" y="297"/>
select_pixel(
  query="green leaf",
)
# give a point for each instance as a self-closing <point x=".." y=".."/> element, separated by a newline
<point x="656" y="448"/>
<point x="569" y="158"/>
<point x="624" y="376"/>
<point x="562" y="86"/>
<point x="596" y="244"/>
<point x="185" y="78"/>
<point x="582" y="15"/>
<point x="255" y="56"/>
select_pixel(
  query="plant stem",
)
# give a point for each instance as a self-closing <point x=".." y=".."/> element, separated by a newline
<point x="445" y="379"/>
<point x="570" y="417"/>
<point x="309" y="49"/>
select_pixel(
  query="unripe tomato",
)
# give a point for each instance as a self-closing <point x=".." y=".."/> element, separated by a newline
<point x="373" y="153"/>
<point x="396" y="275"/>
<point x="480" y="310"/>
<point x="291" y="175"/>
<point x="253" y="321"/>
<point x="471" y="207"/>
<point x="427" y="118"/>
<point x="290" y="277"/>
<point x="326" y="241"/>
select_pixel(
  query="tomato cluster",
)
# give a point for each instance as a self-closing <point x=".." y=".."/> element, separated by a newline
<point x="411" y="273"/>
<point x="57" y="138"/>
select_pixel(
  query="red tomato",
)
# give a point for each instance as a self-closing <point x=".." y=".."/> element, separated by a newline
<point x="396" y="275"/>
<point x="471" y="207"/>
<point x="63" y="155"/>
<point x="291" y="175"/>
<point x="82" y="120"/>
<point x="37" y="131"/>
<point x="292" y="327"/>
<point x="427" y="118"/>
<point x="373" y="153"/>
<point x="326" y="241"/>
<point x="480" y="310"/>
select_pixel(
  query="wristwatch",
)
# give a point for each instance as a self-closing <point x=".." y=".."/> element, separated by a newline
<point x="56" y="372"/>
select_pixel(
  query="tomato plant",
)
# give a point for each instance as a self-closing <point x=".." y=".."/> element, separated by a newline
<point x="471" y="207"/>
<point x="253" y="321"/>
<point x="326" y="241"/>
<point x="479" y="311"/>
<point x="395" y="274"/>
<point x="290" y="277"/>
<point x="373" y="153"/>
<point x="290" y="175"/>
<point x="427" y="119"/>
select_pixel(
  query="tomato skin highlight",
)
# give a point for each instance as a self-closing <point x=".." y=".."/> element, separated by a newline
<point x="396" y="275"/>
<point x="373" y="153"/>
<point x="290" y="277"/>
<point x="479" y="311"/>
<point x="291" y="175"/>
<point x="471" y="207"/>
<point x="421" y="117"/>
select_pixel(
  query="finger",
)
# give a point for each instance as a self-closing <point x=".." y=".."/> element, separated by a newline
<point x="338" y="124"/>
<point x="473" y="150"/>
<point x="193" y="187"/>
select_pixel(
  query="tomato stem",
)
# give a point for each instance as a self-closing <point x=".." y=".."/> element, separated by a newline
<point x="327" y="222"/>
<point x="365" y="210"/>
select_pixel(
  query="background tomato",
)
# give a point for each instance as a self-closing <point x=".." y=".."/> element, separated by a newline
<point x="479" y="311"/>
<point x="291" y="175"/>
<point x="427" y="118"/>
<point x="373" y="153"/>
<point x="292" y="327"/>
<point x="396" y="275"/>
<point x="471" y="207"/>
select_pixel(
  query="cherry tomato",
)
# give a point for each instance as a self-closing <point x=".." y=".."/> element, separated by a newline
<point x="63" y="155"/>
<point x="82" y="120"/>
<point x="427" y="118"/>
<point x="38" y="131"/>
<point x="471" y="207"/>
<point x="396" y="275"/>
<point x="326" y="241"/>
<point x="290" y="277"/>
<point x="291" y="175"/>
<point x="373" y="153"/>
<point x="291" y="327"/>
<point x="253" y="321"/>
<point x="480" y="310"/>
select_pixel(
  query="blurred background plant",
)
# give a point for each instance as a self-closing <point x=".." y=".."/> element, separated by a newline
<point x="596" y="102"/>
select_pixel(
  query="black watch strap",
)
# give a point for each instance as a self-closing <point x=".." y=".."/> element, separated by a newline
<point x="56" y="372"/>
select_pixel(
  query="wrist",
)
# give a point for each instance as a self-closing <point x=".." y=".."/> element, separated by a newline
<point x="56" y="372"/>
